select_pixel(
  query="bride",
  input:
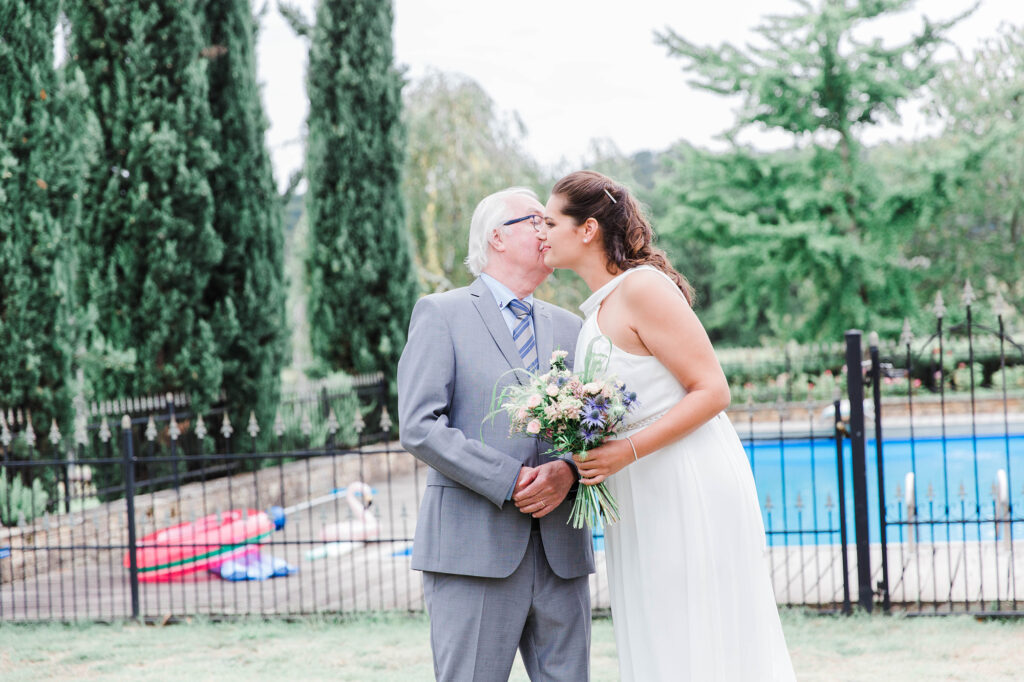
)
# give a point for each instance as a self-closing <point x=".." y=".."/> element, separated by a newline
<point x="687" y="568"/>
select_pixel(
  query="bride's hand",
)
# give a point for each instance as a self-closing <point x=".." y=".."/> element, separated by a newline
<point x="602" y="462"/>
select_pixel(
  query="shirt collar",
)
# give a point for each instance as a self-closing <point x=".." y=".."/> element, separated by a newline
<point x="502" y="294"/>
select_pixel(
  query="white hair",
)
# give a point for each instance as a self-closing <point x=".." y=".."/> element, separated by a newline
<point x="487" y="220"/>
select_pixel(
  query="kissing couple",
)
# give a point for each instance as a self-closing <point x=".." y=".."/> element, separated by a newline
<point x="503" y="570"/>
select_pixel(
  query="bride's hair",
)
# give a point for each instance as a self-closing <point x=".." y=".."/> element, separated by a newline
<point x="626" y="233"/>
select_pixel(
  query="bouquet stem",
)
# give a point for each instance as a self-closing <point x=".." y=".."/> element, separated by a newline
<point x="594" y="506"/>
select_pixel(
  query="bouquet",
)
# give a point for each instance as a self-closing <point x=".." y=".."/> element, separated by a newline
<point x="576" y="413"/>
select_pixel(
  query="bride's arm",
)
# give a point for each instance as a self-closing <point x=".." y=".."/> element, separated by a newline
<point x="667" y="327"/>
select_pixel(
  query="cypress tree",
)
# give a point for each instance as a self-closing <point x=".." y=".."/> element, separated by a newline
<point x="45" y="134"/>
<point x="147" y="241"/>
<point x="245" y="293"/>
<point x="360" y="271"/>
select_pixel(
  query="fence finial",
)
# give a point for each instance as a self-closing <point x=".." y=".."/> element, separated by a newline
<point x="332" y="422"/>
<point x="173" y="430"/>
<point x="104" y="430"/>
<point x="906" y="336"/>
<point x="278" y="424"/>
<point x="254" y="426"/>
<point x="30" y="433"/>
<point x="81" y="429"/>
<point x="939" y="308"/>
<point x="126" y="422"/>
<point x="968" y="295"/>
<point x="54" y="436"/>
<point x="225" y="427"/>
<point x="306" y="425"/>
<point x="357" y="421"/>
<point x="200" y="428"/>
<point x="151" y="429"/>
<point x="5" y="433"/>
<point x="385" y="420"/>
<point x="999" y="306"/>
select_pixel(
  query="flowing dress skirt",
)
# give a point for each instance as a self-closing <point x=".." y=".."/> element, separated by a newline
<point x="687" y="566"/>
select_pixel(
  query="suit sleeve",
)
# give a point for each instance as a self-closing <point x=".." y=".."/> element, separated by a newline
<point x="426" y="382"/>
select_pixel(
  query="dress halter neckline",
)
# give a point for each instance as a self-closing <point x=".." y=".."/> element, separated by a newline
<point x="593" y="302"/>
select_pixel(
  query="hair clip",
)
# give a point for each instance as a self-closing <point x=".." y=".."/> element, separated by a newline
<point x="610" y="196"/>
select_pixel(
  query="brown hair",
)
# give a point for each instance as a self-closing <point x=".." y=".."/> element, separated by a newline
<point x="625" y="229"/>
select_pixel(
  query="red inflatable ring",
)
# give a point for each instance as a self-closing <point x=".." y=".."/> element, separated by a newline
<point x="204" y="543"/>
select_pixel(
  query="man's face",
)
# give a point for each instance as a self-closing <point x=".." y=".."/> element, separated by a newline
<point x="522" y="247"/>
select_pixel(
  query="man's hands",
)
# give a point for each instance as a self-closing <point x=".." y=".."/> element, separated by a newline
<point x="540" y="490"/>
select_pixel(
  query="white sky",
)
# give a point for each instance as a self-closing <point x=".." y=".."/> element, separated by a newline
<point x="575" y="70"/>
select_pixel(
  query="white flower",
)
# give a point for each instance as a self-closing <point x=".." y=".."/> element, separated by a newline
<point x="533" y="401"/>
<point x="552" y="390"/>
<point x="558" y="355"/>
<point x="533" y="427"/>
<point x="592" y="388"/>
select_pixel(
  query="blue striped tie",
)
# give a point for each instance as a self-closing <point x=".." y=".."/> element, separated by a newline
<point x="523" y="335"/>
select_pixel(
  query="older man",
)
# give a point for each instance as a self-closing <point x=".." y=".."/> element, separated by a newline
<point x="501" y="568"/>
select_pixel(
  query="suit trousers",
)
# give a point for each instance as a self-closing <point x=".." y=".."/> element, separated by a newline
<point x="476" y="624"/>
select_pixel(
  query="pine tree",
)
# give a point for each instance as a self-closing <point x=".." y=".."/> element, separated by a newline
<point x="245" y="293"/>
<point x="361" y="277"/>
<point x="45" y="134"/>
<point x="147" y="242"/>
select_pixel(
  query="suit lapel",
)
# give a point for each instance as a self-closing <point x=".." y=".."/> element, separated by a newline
<point x="545" y="335"/>
<point x="487" y="307"/>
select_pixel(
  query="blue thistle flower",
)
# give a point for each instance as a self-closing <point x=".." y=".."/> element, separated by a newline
<point x="588" y="436"/>
<point x="592" y="416"/>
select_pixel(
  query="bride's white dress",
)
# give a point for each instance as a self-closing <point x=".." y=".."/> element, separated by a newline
<point x="687" y="563"/>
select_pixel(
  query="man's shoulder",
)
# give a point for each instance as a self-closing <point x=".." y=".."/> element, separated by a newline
<point x="445" y="299"/>
<point x="560" y="315"/>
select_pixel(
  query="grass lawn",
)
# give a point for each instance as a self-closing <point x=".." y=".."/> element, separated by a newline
<point x="395" y="647"/>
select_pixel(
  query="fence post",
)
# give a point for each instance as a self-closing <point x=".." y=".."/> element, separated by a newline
<point x="128" y="460"/>
<point x="858" y="466"/>
<point x="876" y="394"/>
<point x="840" y="475"/>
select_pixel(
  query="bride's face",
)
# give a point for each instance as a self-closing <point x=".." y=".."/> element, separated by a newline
<point x="561" y="238"/>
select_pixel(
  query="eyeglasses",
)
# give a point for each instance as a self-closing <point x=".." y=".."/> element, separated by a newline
<point x="535" y="221"/>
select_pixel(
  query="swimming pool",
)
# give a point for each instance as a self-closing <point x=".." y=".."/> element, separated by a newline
<point x="797" y="488"/>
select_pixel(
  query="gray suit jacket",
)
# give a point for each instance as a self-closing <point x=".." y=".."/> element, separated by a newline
<point x="459" y="348"/>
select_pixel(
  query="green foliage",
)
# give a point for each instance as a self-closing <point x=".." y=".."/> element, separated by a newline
<point x="964" y="186"/>
<point x="147" y="242"/>
<point x="799" y="247"/>
<point x="46" y="139"/>
<point x="20" y="503"/>
<point x="362" y="284"/>
<point x="460" y="149"/>
<point x="245" y="292"/>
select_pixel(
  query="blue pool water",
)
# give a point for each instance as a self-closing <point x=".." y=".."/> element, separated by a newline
<point x="799" y="479"/>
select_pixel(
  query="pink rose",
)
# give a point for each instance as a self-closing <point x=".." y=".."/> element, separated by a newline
<point x="533" y="427"/>
<point x="533" y="401"/>
<point x="552" y="390"/>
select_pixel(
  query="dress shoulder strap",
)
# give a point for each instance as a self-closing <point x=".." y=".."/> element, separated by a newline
<point x="590" y="306"/>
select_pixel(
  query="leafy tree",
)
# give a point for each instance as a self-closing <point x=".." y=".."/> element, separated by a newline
<point x="46" y="137"/>
<point x="360" y="269"/>
<point x="964" y="185"/>
<point x="147" y="240"/>
<point x="245" y="292"/>
<point x="810" y="256"/>
<point x="460" y="149"/>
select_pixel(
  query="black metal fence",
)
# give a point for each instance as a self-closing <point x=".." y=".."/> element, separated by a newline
<point x="212" y="516"/>
<point x="950" y="529"/>
<point x="897" y="492"/>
